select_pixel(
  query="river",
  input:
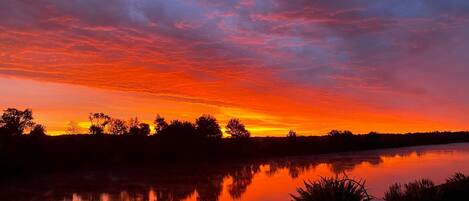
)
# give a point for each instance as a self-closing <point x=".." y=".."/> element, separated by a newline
<point x="260" y="180"/>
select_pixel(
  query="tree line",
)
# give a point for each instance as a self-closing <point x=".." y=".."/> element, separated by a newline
<point x="16" y="122"/>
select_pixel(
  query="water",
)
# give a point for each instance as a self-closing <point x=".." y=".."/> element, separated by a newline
<point x="272" y="179"/>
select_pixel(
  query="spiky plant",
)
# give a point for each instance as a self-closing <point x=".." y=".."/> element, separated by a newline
<point x="419" y="190"/>
<point x="333" y="189"/>
<point x="457" y="177"/>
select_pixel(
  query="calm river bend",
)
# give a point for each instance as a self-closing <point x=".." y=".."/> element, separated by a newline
<point x="272" y="179"/>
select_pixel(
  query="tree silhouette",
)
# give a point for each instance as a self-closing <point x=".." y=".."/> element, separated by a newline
<point x="98" y="122"/>
<point x="208" y="127"/>
<point x="160" y="124"/>
<point x="118" y="127"/>
<point x="236" y="129"/>
<point x="179" y="129"/>
<point x="15" y="121"/>
<point x="138" y="129"/>
<point x="291" y="134"/>
<point x="144" y="129"/>
<point x="38" y="131"/>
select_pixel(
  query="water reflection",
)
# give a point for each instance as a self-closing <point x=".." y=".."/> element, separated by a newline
<point x="227" y="181"/>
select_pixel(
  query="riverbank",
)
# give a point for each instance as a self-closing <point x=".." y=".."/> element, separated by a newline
<point x="30" y="155"/>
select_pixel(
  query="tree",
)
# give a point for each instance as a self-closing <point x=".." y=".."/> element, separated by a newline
<point x="133" y="126"/>
<point x="160" y="124"/>
<point x="138" y="129"/>
<point x="291" y="134"/>
<point x="208" y="127"/>
<point x="118" y="127"/>
<point x="98" y="122"/>
<point x="144" y="129"/>
<point x="38" y="131"/>
<point x="179" y="129"/>
<point x="15" y="121"/>
<point x="236" y="129"/>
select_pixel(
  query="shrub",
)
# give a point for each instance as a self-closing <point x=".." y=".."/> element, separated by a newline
<point x="38" y="131"/>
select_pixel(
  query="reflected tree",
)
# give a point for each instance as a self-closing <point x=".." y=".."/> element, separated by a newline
<point x="242" y="178"/>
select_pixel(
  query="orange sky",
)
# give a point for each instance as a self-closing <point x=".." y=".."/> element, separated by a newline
<point x="276" y="66"/>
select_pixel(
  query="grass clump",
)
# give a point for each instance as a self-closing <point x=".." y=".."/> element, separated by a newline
<point x="456" y="188"/>
<point x="332" y="189"/>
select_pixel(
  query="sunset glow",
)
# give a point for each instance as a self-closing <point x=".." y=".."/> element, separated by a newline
<point x="311" y="66"/>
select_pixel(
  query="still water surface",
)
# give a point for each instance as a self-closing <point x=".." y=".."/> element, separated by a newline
<point x="260" y="180"/>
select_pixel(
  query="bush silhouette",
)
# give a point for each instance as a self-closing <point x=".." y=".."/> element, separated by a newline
<point x="236" y="129"/>
<point x="333" y="189"/>
<point x="38" y="131"/>
<point x="207" y="126"/>
<point x="14" y="122"/>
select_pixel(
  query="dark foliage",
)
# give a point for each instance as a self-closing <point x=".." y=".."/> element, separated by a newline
<point x="98" y="122"/>
<point x="160" y="124"/>
<point x="13" y="121"/>
<point x="144" y="129"/>
<point x="96" y="130"/>
<point x="291" y="134"/>
<point x="38" y="131"/>
<point x="333" y="189"/>
<point x="118" y="127"/>
<point x="456" y="188"/>
<point x="139" y="129"/>
<point x="337" y="133"/>
<point x="237" y="129"/>
<point x="178" y="130"/>
<point x="207" y="126"/>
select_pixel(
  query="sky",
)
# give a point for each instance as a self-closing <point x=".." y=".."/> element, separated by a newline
<point x="311" y="66"/>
